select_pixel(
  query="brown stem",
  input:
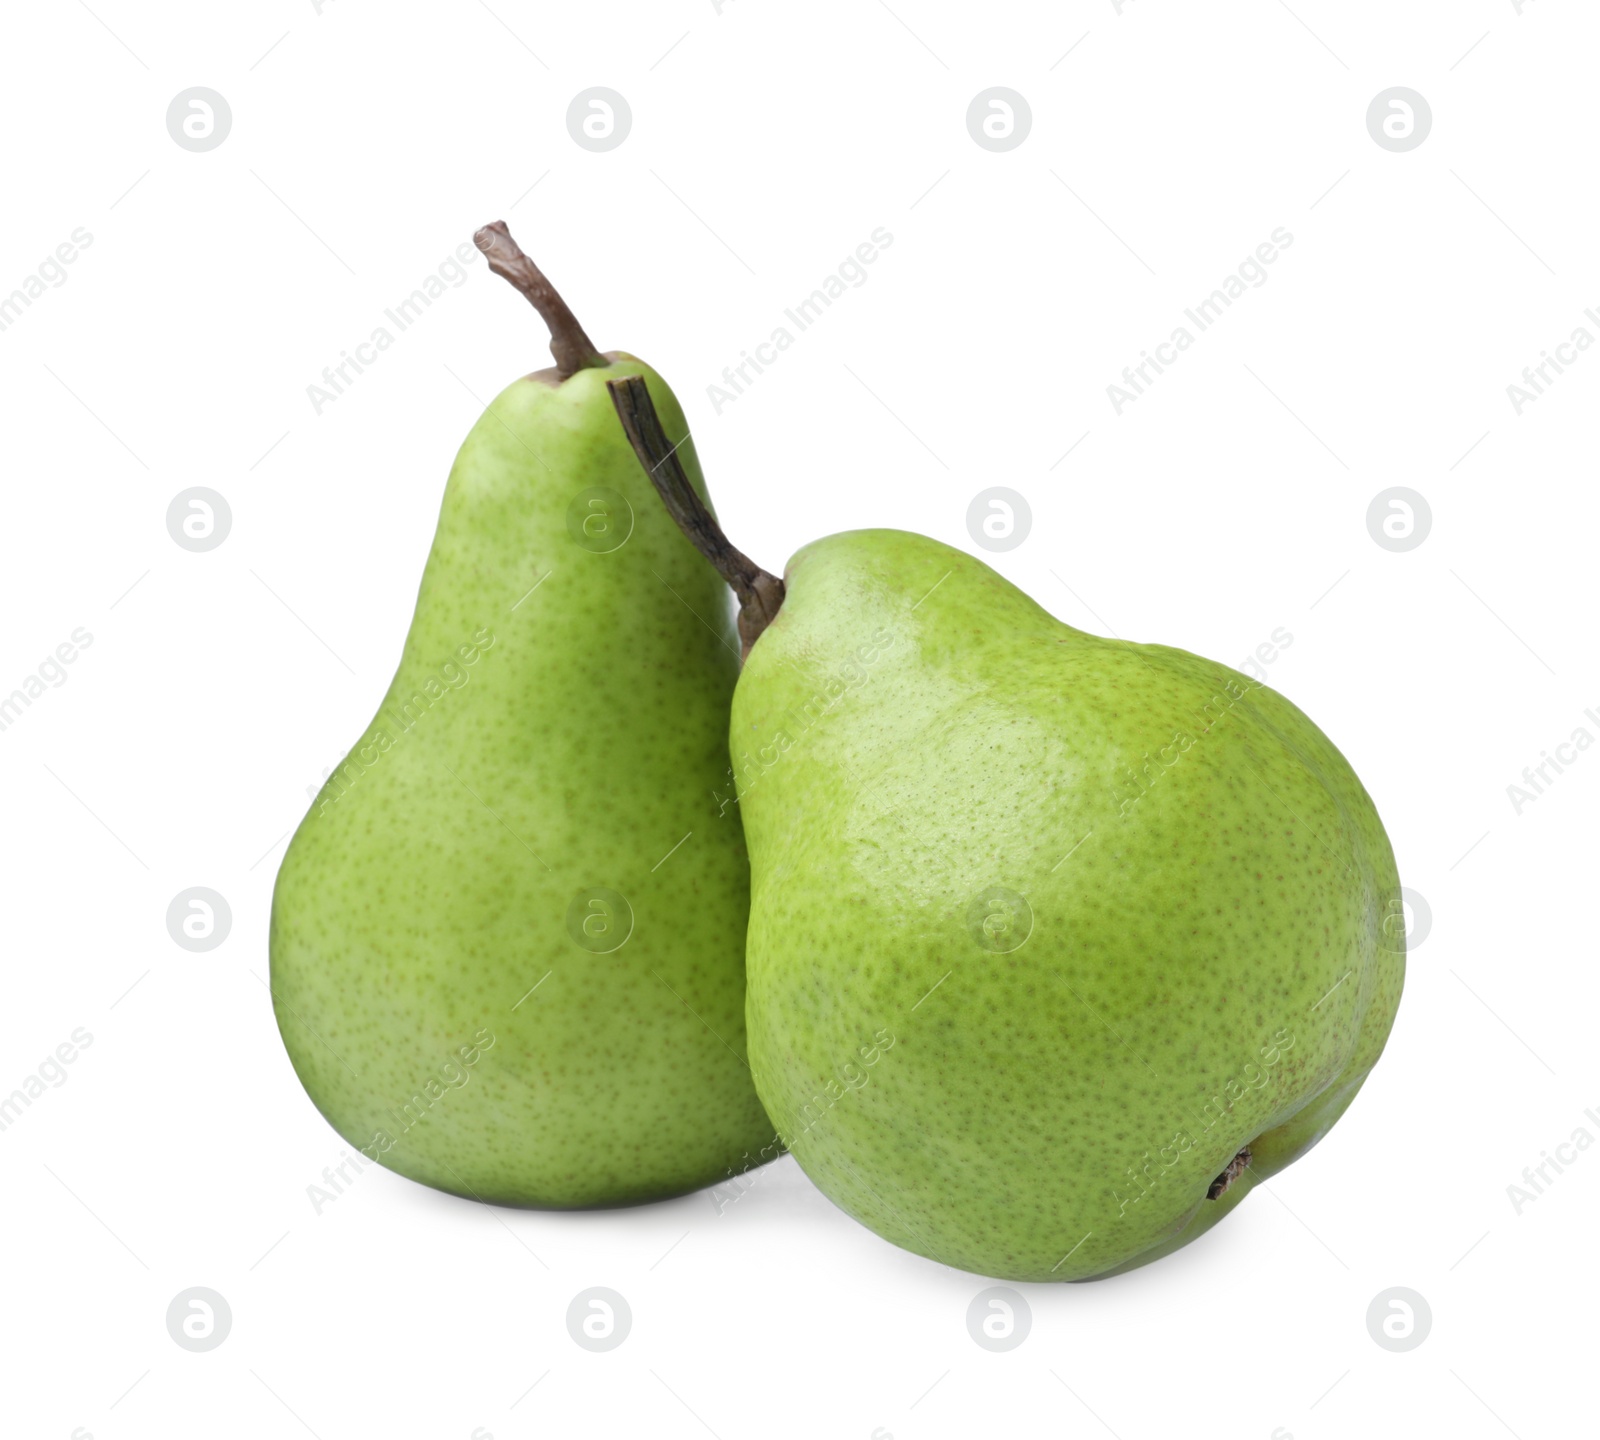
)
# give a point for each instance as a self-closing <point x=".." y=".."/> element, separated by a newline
<point x="760" y="593"/>
<point x="572" y="349"/>
<point x="1224" y="1182"/>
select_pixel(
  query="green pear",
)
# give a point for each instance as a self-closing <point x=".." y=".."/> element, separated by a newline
<point x="507" y="939"/>
<point x="1058" y="945"/>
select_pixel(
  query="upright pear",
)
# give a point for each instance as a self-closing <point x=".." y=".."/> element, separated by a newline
<point x="507" y="940"/>
<point x="1058" y="944"/>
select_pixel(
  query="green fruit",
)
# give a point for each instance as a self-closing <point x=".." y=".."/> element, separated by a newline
<point x="1047" y="931"/>
<point x="507" y="940"/>
<point x="1058" y="945"/>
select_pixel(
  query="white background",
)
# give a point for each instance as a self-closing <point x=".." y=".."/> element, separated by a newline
<point x="1231" y="500"/>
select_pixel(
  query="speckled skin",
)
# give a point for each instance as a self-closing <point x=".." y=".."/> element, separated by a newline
<point x="575" y="737"/>
<point x="1210" y="969"/>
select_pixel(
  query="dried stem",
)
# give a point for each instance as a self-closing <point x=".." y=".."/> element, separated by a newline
<point x="1224" y="1182"/>
<point x="573" y="350"/>
<point x="760" y="593"/>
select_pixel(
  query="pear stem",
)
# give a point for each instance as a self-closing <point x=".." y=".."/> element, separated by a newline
<point x="760" y="593"/>
<point x="573" y="350"/>
<point x="1224" y="1182"/>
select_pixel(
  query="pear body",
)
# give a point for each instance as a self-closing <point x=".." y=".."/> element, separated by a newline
<point x="1046" y="929"/>
<point x="507" y="939"/>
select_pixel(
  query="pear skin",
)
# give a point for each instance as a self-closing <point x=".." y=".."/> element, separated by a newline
<point x="507" y="940"/>
<point x="1058" y="944"/>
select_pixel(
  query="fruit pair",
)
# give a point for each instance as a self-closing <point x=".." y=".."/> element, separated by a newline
<point x="1056" y="945"/>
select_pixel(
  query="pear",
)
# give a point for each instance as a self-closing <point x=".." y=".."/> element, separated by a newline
<point x="1059" y="944"/>
<point x="507" y="939"/>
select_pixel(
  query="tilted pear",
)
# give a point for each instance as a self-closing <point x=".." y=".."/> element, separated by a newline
<point x="507" y="940"/>
<point x="1058" y="944"/>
